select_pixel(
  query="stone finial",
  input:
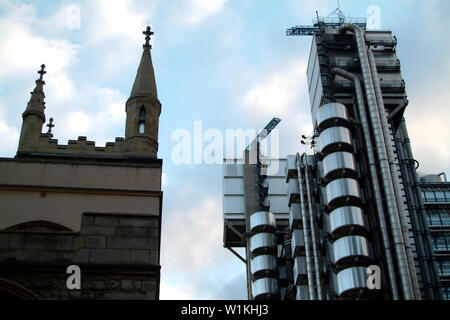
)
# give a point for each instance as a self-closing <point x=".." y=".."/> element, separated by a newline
<point x="50" y="126"/>
<point x="147" y="33"/>
<point x="42" y="72"/>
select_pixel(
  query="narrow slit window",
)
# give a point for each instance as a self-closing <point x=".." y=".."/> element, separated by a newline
<point x="142" y="112"/>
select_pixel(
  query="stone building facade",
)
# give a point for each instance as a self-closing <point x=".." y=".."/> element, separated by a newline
<point x="97" y="208"/>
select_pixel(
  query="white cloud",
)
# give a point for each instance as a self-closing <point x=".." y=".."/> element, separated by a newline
<point x="194" y="12"/>
<point x="282" y="93"/>
<point x="68" y="16"/>
<point x="108" y="20"/>
<point x="174" y="292"/>
<point x="277" y="92"/>
<point x="76" y="123"/>
<point x="23" y="52"/>
<point x="427" y="120"/>
<point x="9" y="142"/>
<point x="200" y="228"/>
<point x="164" y="181"/>
<point x="195" y="264"/>
<point x="98" y="113"/>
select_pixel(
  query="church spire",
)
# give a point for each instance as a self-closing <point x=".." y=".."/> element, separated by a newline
<point x="34" y="116"/>
<point x="36" y="104"/>
<point x="145" y="83"/>
<point x="143" y="108"/>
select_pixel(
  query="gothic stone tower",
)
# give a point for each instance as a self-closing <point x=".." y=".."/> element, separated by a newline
<point x="98" y="208"/>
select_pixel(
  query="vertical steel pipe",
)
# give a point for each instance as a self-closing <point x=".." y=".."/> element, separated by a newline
<point x="380" y="145"/>
<point x="394" y="175"/>
<point x="309" y="266"/>
<point x="422" y="213"/>
<point x="312" y="225"/>
<point x="414" y="209"/>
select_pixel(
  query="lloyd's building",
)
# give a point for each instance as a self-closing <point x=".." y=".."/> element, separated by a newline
<point x="349" y="221"/>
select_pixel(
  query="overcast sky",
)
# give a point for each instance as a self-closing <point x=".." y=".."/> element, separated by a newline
<point x="225" y="63"/>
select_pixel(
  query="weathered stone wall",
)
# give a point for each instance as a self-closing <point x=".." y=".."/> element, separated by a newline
<point x="117" y="254"/>
<point x="60" y="190"/>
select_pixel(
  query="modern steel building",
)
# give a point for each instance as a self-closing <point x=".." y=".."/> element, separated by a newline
<point x="349" y="221"/>
<point x="436" y="200"/>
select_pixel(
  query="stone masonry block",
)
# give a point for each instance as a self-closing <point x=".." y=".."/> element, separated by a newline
<point x="126" y="285"/>
<point x="117" y="242"/>
<point x="41" y="241"/>
<point x="143" y="256"/>
<point x="148" y="285"/>
<point x="132" y="231"/>
<point x="133" y="221"/>
<point x="75" y="257"/>
<point x="4" y="240"/>
<point x="98" y="230"/>
<point x="95" y="241"/>
<point x="87" y="220"/>
<point x="107" y="256"/>
<point x="107" y="220"/>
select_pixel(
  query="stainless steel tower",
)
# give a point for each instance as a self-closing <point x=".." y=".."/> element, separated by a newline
<point x="355" y="208"/>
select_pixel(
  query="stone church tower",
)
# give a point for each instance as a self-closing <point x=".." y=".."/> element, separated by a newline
<point x="79" y="221"/>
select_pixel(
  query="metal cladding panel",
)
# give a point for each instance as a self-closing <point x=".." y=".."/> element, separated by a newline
<point x="263" y="264"/>
<point x="297" y="243"/>
<point x="233" y="205"/>
<point x="232" y="169"/>
<point x="292" y="190"/>
<point x="275" y="167"/>
<point x="344" y="219"/>
<point x="317" y="102"/>
<point x="384" y="35"/>
<point x="342" y="192"/>
<point x="312" y="57"/>
<point x="233" y="186"/>
<point x="299" y="270"/>
<point x="331" y="114"/>
<point x="262" y="220"/>
<point x="265" y="288"/>
<point x="282" y="272"/>
<point x="339" y="164"/>
<point x="351" y="280"/>
<point x="295" y="217"/>
<point x="334" y="139"/>
<point x="291" y="167"/>
<point x="314" y="79"/>
<point x="279" y="204"/>
<point x="263" y="242"/>
<point x="347" y="249"/>
<point x="277" y="185"/>
<point x="302" y="293"/>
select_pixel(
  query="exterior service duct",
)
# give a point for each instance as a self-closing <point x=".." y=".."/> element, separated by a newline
<point x="394" y="174"/>
<point x="308" y="256"/>
<point x="373" y="175"/>
<point x="389" y="192"/>
<point x="263" y="248"/>
<point x="343" y="199"/>
<point x="313" y="227"/>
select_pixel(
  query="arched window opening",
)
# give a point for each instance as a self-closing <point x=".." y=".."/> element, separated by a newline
<point x="38" y="226"/>
<point x="142" y="116"/>
<point x="142" y="113"/>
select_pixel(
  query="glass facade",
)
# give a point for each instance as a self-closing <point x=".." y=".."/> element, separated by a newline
<point x="441" y="242"/>
<point x="436" y="197"/>
<point x="438" y="217"/>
